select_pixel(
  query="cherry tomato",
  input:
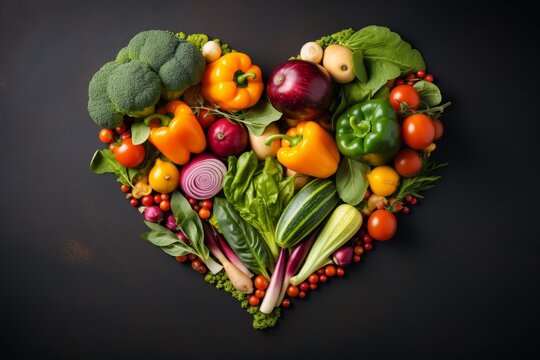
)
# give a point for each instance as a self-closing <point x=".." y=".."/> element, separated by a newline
<point x="120" y="129"/>
<point x="157" y="199"/>
<point x="323" y="278"/>
<point x="181" y="258"/>
<point x="382" y="225"/>
<point x="165" y="205"/>
<point x="313" y="279"/>
<point x="293" y="291"/>
<point x="196" y="265"/>
<point x="259" y="293"/>
<point x="330" y="270"/>
<point x="133" y="202"/>
<point x="253" y="300"/>
<point x="125" y="135"/>
<point x="313" y="286"/>
<point x="205" y="119"/>
<point x="192" y="201"/>
<point x="304" y="286"/>
<point x="420" y="74"/>
<point x="260" y="282"/>
<point x="302" y="294"/>
<point x="129" y="155"/>
<point x="408" y="162"/>
<point x="439" y="129"/>
<point x="207" y="204"/>
<point x="418" y="131"/>
<point x="286" y="303"/>
<point x="204" y="213"/>
<point x="106" y="136"/>
<point x="340" y="272"/>
<point x="125" y="188"/>
<point x="404" y="93"/>
<point x="147" y="200"/>
<point x="112" y="147"/>
<point x="429" y="78"/>
<point x="164" y="196"/>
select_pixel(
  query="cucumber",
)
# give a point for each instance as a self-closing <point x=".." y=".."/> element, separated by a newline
<point x="307" y="209"/>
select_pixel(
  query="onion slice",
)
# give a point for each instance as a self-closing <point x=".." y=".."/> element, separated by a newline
<point x="202" y="178"/>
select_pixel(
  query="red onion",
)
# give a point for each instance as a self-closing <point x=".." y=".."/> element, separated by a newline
<point x="202" y="177"/>
<point x="300" y="89"/>
<point x="170" y="222"/>
<point x="153" y="214"/>
<point x="343" y="256"/>
<point x="226" y="137"/>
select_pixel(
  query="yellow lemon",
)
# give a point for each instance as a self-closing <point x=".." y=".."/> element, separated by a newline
<point x="164" y="176"/>
<point x="383" y="180"/>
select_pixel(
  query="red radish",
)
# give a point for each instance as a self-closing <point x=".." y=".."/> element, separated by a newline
<point x="226" y="137"/>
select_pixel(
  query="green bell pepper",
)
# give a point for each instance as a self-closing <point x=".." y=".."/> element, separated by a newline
<point x="369" y="132"/>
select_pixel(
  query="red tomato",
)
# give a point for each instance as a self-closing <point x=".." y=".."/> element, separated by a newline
<point x="260" y="282"/>
<point x="404" y="93"/>
<point x="439" y="128"/>
<point x="293" y="291"/>
<point x="408" y="162"/>
<point x="204" y="118"/>
<point x="147" y="200"/>
<point x="120" y="129"/>
<point x="382" y="225"/>
<point x="129" y="155"/>
<point x="106" y="136"/>
<point x="204" y="213"/>
<point x="165" y="205"/>
<point x="259" y="293"/>
<point x="253" y="300"/>
<point x="418" y="131"/>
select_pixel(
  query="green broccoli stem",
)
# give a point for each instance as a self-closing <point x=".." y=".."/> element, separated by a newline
<point x="165" y="120"/>
<point x="241" y="78"/>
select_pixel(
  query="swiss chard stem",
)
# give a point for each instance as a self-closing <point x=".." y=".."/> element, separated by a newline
<point x="274" y="288"/>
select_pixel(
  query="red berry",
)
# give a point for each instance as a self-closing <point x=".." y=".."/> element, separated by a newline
<point x="411" y="76"/>
<point x="125" y="188"/>
<point x="323" y="278"/>
<point x="157" y="199"/>
<point x="367" y="238"/>
<point x="368" y="246"/>
<point x="406" y="210"/>
<point x="302" y="294"/>
<point x="133" y="202"/>
<point x="358" y="250"/>
<point x="313" y="286"/>
<point x="313" y="278"/>
<point x="399" y="82"/>
<point x="340" y="272"/>
<point x="304" y="286"/>
<point x="196" y="207"/>
<point x="414" y="201"/>
<point x="191" y="257"/>
<point x="429" y="78"/>
<point x="181" y="258"/>
<point x="420" y="74"/>
<point x="320" y="271"/>
<point x="408" y="198"/>
<point x="192" y="201"/>
<point x="286" y="303"/>
<point x="357" y="258"/>
<point x="202" y="270"/>
<point x="120" y="129"/>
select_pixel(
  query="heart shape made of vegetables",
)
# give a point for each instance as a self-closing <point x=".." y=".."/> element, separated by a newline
<point x="269" y="191"/>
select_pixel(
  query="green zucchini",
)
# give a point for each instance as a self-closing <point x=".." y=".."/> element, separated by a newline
<point x="341" y="226"/>
<point x="307" y="209"/>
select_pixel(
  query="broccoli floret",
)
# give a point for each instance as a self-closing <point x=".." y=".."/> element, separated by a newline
<point x="336" y="38"/>
<point x="261" y="321"/>
<point x="154" y="63"/>
<point x="134" y="88"/>
<point x="100" y="108"/>
<point x="199" y="40"/>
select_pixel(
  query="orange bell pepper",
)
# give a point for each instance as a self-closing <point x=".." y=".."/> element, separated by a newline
<point x="232" y="82"/>
<point x="179" y="137"/>
<point x="308" y="149"/>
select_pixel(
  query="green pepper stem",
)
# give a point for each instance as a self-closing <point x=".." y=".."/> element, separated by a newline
<point x="361" y="129"/>
<point x="293" y="140"/>
<point x="241" y="78"/>
<point x="165" y="120"/>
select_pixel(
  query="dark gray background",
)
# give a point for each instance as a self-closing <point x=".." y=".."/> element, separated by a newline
<point x="460" y="279"/>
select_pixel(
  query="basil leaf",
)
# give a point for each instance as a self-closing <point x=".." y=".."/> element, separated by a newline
<point x="177" y="249"/>
<point x="359" y="67"/>
<point x="351" y="181"/>
<point x="139" y="132"/>
<point x="245" y="240"/>
<point x="259" y="116"/>
<point x="378" y="43"/>
<point x="104" y="162"/>
<point x="429" y="93"/>
<point x="160" y="238"/>
<point x="156" y="227"/>
<point x="181" y="208"/>
<point x="379" y="74"/>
